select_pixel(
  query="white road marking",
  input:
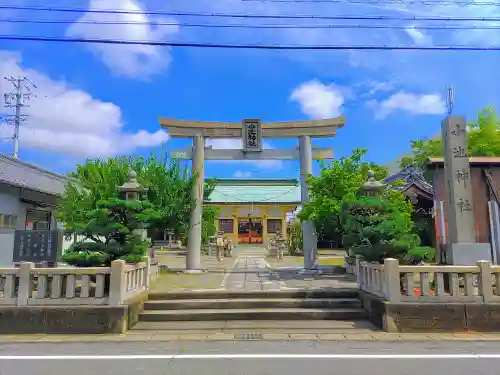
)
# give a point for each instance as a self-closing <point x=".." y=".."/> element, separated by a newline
<point x="223" y="283"/>
<point x="266" y="263"/>
<point x="281" y="283"/>
<point x="249" y="356"/>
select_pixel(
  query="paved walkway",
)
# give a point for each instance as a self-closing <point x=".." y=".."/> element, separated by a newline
<point x="248" y="270"/>
<point x="252" y="272"/>
<point x="148" y="336"/>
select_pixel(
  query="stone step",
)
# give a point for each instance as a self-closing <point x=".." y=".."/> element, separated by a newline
<point x="250" y="303"/>
<point x="264" y="326"/>
<point x="253" y="314"/>
<point x="323" y="293"/>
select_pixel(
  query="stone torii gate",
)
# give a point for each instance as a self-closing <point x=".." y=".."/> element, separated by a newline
<point x="251" y="131"/>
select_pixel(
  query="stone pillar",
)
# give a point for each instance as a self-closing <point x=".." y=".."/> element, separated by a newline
<point x="310" y="242"/>
<point x="265" y="236"/>
<point x="235" y="226"/>
<point x="461" y="248"/>
<point x="194" y="237"/>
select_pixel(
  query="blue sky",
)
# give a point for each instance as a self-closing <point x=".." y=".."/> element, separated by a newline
<point x="104" y="100"/>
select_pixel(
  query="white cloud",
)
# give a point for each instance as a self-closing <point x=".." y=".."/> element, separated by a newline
<point x="426" y="104"/>
<point x="242" y="174"/>
<point x="318" y="100"/>
<point x="236" y="144"/>
<point x="418" y="36"/>
<point x="139" y="61"/>
<point x="376" y="86"/>
<point x="67" y="120"/>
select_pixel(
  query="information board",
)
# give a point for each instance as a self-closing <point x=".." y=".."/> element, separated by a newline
<point x="37" y="245"/>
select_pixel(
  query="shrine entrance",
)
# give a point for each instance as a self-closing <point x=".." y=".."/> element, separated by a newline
<point x="250" y="231"/>
<point x="251" y="132"/>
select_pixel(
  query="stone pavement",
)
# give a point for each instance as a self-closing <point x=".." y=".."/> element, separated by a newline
<point x="253" y="272"/>
<point x="147" y="336"/>
<point x="248" y="270"/>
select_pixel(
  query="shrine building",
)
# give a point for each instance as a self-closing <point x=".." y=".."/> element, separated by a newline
<point x="253" y="210"/>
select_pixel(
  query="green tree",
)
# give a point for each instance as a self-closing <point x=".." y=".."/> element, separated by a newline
<point x="112" y="226"/>
<point x="483" y="138"/>
<point x="339" y="180"/>
<point x="378" y="227"/>
<point x="296" y="237"/>
<point x="169" y="192"/>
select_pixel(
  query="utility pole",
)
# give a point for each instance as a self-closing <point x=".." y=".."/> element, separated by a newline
<point x="17" y="100"/>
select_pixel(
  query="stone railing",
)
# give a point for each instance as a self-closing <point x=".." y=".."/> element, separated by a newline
<point x="429" y="283"/>
<point x="30" y="286"/>
<point x="350" y="264"/>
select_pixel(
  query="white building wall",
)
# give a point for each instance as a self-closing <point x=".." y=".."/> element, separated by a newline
<point x="9" y="205"/>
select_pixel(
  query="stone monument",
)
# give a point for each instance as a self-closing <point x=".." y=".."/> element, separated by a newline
<point x="461" y="246"/>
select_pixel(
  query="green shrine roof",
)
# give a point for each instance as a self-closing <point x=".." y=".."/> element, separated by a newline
<point x="263" y="191"/>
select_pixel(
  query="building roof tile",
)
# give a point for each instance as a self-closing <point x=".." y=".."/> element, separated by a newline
<point x="19" y="173"/>
<point x="255" y="191"/>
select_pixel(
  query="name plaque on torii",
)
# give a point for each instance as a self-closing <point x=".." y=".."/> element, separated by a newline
<point x="252" y="136"/>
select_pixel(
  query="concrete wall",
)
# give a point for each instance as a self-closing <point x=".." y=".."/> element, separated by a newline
<point x="9" y="205"/>
<point x="423" y="317"/>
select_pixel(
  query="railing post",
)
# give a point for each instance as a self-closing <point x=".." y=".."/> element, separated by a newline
<point x="485" y="284"/>
<point x="25" y="283"/>
<point x="361" y="279"/>
<point x="117" y="283"/>
<point x="147" y="276"/>
<point x="391" y="279"/>
<point x="357" y="265"/>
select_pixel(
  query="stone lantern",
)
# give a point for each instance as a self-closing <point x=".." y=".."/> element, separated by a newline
<point x="132" y="190"/>
<point x="372" y="187"/>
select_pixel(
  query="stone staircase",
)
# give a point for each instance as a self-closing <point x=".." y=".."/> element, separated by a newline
<point x="209" y="306"/>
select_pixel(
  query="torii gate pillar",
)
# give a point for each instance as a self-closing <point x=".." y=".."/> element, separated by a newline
<point x="310" y="241"/>
<point x="193" y="259"/>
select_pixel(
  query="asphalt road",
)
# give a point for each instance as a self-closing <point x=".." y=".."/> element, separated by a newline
<point x="237" y="358"/>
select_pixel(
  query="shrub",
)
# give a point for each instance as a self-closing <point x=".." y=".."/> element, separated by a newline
<point x="86" y="254"/>
<point x="420" y="254"/>
<point x="378" y="228"/>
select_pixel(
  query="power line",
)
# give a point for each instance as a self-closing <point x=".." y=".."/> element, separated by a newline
<point x="245" y="16"/>
<point x="254" y="46"/>
<point x="261" y="26"/>
<point x="399" y="2"/>
<point x="16" y="99"/>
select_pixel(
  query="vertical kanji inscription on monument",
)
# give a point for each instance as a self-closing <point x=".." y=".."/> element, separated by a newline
<point x="458" y="189"/>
